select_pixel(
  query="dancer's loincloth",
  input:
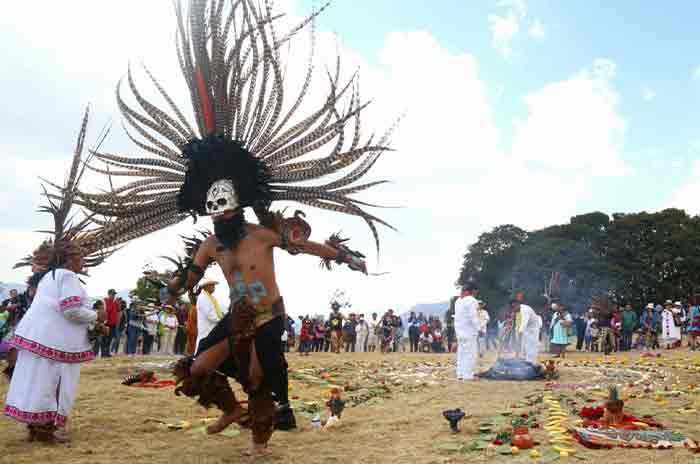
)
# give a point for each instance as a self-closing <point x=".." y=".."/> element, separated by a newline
<point x="245" y="324"/>
<point x="239" y="328"/>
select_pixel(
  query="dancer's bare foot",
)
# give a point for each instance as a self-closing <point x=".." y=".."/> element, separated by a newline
<point x="257" y="451"/>
<point x="225" y="420"/>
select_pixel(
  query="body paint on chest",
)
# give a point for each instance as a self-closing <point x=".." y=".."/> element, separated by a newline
<point x="256" y="291"/>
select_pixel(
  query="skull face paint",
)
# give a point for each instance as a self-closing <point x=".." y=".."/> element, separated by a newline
<point x="221" y="197"/>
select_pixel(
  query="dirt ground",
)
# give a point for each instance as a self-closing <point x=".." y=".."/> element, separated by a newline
<point x="112" y="422"/>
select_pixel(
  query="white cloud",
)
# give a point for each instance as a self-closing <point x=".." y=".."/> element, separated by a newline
<point x="648" y="93"/>
<point x="604" y="68"/>
<point x="536" y="30"/>
<point x="503" y="30"/>
<point x="450" y="151"/>
<point x="500" y="90"/>
<point x="686" y="196"/>
<point x="519" y="7"/>
<point x="506" y="27"/>
<point x="574" y="125"/>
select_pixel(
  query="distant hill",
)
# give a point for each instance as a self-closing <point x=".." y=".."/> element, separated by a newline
<point x="428" y="309"/>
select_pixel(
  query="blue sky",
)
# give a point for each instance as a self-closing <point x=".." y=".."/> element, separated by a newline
<point x="517" y="111"/>
<point x="653" y="45"/>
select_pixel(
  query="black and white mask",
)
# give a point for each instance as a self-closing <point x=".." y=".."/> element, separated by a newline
<point x="221" y="197"/>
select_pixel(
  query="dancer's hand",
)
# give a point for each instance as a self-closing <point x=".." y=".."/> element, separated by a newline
<point x="355" y="260"/>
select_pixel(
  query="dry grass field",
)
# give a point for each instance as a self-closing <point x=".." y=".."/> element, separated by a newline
<point x="403" y="424"/>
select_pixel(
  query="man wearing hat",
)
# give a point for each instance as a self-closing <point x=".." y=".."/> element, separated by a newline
<point x="648" y="321"/>
<point x="336" y="323"/>
<point x="169" y="323"/>
<point x="209" y="313"/>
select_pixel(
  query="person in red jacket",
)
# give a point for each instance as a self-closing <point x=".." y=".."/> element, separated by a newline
<point x="306" y="337"/>
<point x="112" y="309"/>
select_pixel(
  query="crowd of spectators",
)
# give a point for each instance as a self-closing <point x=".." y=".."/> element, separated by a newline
<point x="138" y="329"/>
<point x="656" y="326"/>
<point x="356" y="333"/>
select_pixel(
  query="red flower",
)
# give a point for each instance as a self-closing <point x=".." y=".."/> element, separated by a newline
<point x="591" y="413"/>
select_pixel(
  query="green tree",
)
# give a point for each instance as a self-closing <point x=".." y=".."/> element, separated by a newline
<point x="145" y="290"/>
<point x="635" y="258"/>
<point x="582" y="272"/>
<point x="657" y="254"/>
<point x="489" y="262"/>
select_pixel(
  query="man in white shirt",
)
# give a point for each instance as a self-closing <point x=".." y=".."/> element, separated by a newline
<point x="209" y="313"/>
<point x="467" y="331"/>
<point x="530" y="334"/>
<point x="362" y="332"/>
<point x="373" y="336"/>
<point x="527" y="326"/>
<point x="484" y="319"/>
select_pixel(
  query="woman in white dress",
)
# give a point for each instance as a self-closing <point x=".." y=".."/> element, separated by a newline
<point x="52" y="342"/>
<point x="671" y="322"/>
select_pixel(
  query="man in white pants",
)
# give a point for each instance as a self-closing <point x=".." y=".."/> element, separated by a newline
<point x="373" y="336"/>
<point x="467" y="331"/>
<point x="530" y="327"/>
<point x="362" y="332"/>
<point x="527" y="321"/>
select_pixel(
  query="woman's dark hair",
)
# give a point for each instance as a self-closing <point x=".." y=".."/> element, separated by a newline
<point x="98" y="304"/>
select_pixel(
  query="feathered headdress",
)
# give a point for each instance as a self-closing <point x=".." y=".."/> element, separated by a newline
<point x="244" y="129"/>
<point x="68" y="236"/>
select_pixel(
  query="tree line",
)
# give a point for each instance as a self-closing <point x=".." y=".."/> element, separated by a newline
<point x="637" y="258"/>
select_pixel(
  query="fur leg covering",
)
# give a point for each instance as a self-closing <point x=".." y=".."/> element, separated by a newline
<point x="209" y="390"/>
<point x="262" y="413"/>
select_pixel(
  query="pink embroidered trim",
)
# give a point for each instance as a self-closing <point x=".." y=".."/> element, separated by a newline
<point x="70" y="302"/>
<point x="60" y="420"/>
<point x="49" y="417"/>
<point x="50" y="353"/>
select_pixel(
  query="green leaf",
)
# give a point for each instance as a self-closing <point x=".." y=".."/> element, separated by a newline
<point x="230" y="432"/>
<point x="478" y="445"/>
<point x="451" y="446"/>
<point x="504" y="449"/>
<point x="549" y="456"/>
